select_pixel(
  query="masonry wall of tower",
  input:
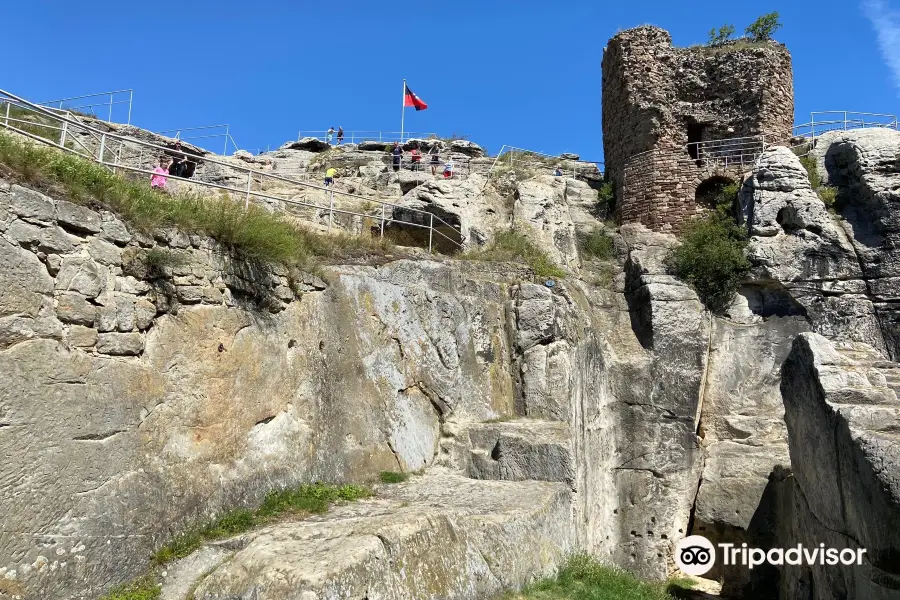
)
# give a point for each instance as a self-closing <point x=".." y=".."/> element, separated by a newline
<point x="658" y="98"/>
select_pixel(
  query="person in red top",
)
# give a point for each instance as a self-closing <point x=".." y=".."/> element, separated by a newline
<point x="416" y="158"/>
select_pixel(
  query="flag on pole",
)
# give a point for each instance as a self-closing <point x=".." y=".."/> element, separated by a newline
<point x="410" y="99"/>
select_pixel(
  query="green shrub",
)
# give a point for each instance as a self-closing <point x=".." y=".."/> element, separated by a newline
<point x="583" y="578"/>
<point x="514" y="246"/>
<point x="597" y="243"/>
<point x="711" y="258"/>
<point x="606" y="199"/>
<point x="393" y="477"/>
<point x="717" y="38"/>
<point x="763" y="28"/>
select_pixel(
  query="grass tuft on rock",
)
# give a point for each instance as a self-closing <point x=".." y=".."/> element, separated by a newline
<point x="145" y="588"/>
<point x="393" y="477"/>
<point x="513" y="245"/>
<point x="583" y="578"/>
<point x="827" y="194"/>
<point x="254" y="234"/>
<point x="278" y="504"/>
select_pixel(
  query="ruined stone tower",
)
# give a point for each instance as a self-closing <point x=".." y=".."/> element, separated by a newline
<point x="679" y="120"/>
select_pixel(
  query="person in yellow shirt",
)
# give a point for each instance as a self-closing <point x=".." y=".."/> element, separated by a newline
<point x="329" y="176"/>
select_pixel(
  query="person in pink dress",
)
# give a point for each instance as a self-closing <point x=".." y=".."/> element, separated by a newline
<point x="158" y="179"/>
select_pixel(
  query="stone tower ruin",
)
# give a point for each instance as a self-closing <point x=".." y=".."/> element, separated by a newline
<point x="678" y="122"/>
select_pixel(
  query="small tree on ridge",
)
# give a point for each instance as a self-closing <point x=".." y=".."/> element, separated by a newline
<point x="764" y="28"/>
<point x="721" y="36"/>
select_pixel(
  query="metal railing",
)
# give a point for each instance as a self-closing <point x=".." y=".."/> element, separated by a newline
<point x="355" y="137"/>
<point x="70" y="130"/>
<point x="512" y="157"/>
<point x="841" y="120"/>
<point x="739" y="151"/>
<point x="85" y="102"/>
<point x="179" y="135"/>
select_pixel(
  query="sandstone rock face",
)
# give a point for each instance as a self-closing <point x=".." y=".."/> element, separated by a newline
<point x="542" y="210"/>
<point x="798" y="246"/>
<point x="160" y="398"/>
<point x="842" y="413"/>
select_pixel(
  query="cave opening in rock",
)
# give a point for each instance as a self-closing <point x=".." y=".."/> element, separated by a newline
<point x="411" y="228"/>
<point x="716" y="191"/>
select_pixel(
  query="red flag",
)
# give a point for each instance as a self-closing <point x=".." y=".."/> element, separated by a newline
<point x="410" y="99"/>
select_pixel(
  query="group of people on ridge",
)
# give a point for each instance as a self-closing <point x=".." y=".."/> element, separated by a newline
<point x="329" y="135"/>
<point x="415" y="156"/>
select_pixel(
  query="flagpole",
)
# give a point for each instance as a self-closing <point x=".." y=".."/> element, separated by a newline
<point x="402" y="110"/>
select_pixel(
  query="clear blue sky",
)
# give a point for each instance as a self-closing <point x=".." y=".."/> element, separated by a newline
<point x="524" y="73"/>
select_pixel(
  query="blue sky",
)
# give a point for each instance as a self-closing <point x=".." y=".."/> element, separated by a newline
<point x="523" y="73"/>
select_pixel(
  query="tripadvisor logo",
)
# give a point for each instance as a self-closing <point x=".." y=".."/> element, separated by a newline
<point x="696" y="555"/>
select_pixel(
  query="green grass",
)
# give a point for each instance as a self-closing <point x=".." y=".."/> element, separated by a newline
<point x="145" y="588"/>
<point x="252" y="234"/>
<point x="583" y="578"/>
<point x="606" y="199"/>
<point x="393" y="477"/>
<point x="293" y="502"/>
<point x="512" y="245"/>
<point x="597" y="244"/>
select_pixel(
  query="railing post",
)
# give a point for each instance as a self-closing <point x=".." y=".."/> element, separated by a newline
<point x="331" y="211"/>
<point x="225" y="152"/>
<point x="6" y="121"/>
<point x="130" y="100"/>
<point x="430" y="232"/>
<point x="382" y="220"/>
<point x="102" y="147"/>
<point x="247" y="199"/>
<point x="62" y="135"/>
<point x="109" y="120"/>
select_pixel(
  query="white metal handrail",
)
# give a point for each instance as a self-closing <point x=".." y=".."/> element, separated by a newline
<point x="354" y="137"/>
<point x="112" y="101"/>
<point x="226" y="135"/>
<point x="842" y="120"/>
<point x="105" y="137"/>
<point x="515" y="155"/>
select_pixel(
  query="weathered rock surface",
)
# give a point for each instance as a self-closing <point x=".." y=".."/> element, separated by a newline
<point x="842" y="416"/>
<point x="797" y="245"/>
<point x="435" y="536"/>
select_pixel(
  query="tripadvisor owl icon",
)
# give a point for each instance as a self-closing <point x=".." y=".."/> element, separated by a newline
<point x="695" y="555"/>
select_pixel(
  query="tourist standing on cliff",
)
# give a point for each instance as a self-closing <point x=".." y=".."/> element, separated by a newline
<point x="329" y="135"/>
<point x="397" y="153"/>
<point x="329" y="176"/>
<point x="158" y="179"/>
<point x="340" y="135"/>
<point x="435" y="158"/>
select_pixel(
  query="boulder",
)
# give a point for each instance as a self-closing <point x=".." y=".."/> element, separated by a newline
<point x="466" y="147"/>
<point x="569" y="156"/>
<point x="310" y="144"/>
<point x="77" y="218"/>
<point x="451" y="543"/>
<point x="373" y="146"/>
